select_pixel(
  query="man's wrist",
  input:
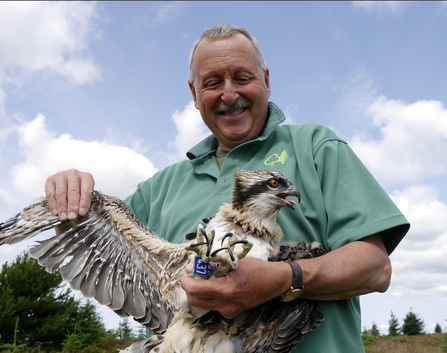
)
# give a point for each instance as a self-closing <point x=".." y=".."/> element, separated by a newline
<point x="297" y="287"/>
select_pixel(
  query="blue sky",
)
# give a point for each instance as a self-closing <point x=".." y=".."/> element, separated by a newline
<point x="103" y="87"/>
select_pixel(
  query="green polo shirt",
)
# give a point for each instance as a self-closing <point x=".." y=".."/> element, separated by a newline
<point x="341" y="203"/>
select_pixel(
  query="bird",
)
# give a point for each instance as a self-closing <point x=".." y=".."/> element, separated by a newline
<point x="120" y="262"/>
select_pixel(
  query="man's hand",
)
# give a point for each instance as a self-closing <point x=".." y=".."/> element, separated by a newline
<point x="254" y="282"/>
<point x="69" y="194"/>
<point x="357" y="268"/>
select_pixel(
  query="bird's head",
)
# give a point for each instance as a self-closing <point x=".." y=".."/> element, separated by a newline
<point x="263" y="190"/>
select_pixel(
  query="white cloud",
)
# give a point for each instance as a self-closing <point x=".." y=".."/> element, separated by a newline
<point x="191" y="129"/>
<point x="49" y="37"/>
<point x="395" y="7"/>
<point x="419" y="261"/>
<point x="117" y="170"/>
<point x="6" y="199"/>
<point x="413" y="141"/>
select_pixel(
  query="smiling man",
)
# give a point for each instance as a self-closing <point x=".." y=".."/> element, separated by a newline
<point x="343" y="207"/>
<point x="230" y="89"/>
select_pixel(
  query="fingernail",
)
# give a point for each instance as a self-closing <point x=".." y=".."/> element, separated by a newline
<point x="71" y="215"/>
<point x="63" y="216"/>
<point x="54" y="212"/>
<point x="82" y="211"/>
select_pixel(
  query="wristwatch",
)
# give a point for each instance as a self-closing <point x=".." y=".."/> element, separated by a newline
<point x="297" y="283"/>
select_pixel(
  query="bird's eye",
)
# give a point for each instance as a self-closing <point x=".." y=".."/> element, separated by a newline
<point x="273" y="183"/>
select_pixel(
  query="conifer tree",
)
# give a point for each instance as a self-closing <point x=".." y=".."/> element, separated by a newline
<point x="36" y="297"/>
<point x="90" y="324"/>
<point x="438" y="328"/>
<point x="375" y="330"/>
<point x="394" y="328"/>
<point x="413" y="325"/>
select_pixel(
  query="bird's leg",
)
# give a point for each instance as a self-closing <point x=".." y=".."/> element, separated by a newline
<point x="227" y="257"/>
<point x="202" y="248"/>
<point x="204" y="243"/>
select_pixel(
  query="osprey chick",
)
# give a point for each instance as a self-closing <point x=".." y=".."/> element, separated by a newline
<point x="116" y="259"/>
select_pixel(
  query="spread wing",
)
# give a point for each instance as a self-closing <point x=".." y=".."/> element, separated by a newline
<point x="111" y="257"/>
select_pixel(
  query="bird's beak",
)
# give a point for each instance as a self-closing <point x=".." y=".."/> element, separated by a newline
<point x="290" y="203"/>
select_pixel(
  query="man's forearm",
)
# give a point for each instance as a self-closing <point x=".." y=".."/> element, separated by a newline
<point x="357" y="268"/>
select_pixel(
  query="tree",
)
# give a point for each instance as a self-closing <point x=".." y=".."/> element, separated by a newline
<point x="438" y="328"/>
<point x="125" y="331"/>
<point x="36" y="297"/>
<point x="394" y="328"/>
<point x="413" y="325"/>
<point x="90" y="324"/>
<point x="141" y="334"/>
<point x="375" y="330"/>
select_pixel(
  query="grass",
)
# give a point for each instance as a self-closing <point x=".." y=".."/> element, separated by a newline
<point x="430" y="343"/>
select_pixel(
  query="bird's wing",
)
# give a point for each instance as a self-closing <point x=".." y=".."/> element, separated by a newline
<point x="111" y="257"/>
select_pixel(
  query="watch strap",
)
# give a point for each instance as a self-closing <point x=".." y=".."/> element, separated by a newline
<point x="297" y="272"/>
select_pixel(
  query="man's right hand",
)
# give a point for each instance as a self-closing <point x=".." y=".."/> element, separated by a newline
<point x="69" y="194"/>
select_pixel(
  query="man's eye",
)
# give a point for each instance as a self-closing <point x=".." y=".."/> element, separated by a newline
<point x="212" y="83"/>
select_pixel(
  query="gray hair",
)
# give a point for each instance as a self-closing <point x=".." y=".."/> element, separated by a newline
<point x="223" y="31"/>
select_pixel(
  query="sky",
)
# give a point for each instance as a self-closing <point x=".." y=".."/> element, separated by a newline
<point x="102" y="87"/>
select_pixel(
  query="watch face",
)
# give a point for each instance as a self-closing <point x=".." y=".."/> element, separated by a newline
<point x="292" y="295"/>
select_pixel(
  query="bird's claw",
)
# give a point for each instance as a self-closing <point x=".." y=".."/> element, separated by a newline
<point x="204" y="243"/>
<point x="227" y="256"/>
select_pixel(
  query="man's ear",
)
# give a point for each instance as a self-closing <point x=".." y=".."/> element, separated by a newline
<point x="194" y="95"/>
<point x="267" y="81"/>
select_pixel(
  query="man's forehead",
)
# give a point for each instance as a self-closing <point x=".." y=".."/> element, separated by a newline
<point x="208" y="59"/>
<point x="236" y="37"/>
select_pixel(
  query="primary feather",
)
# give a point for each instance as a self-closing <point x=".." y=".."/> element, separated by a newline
<point x="117" y="260"/>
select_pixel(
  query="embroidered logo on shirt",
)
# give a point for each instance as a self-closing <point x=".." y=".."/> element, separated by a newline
<point x="274" y="158"/>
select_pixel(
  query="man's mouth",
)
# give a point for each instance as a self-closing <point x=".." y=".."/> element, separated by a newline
<point x="236" y="108"/>
<point x="232" y="112"/>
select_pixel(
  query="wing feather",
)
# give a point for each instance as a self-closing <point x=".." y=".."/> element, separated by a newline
<point x="112" y="257"/>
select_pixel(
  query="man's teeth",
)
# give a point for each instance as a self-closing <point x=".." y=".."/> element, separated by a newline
<point x="233" y="112"/>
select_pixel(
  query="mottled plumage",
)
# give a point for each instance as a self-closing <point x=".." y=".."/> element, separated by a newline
<point x="114" y="258"/>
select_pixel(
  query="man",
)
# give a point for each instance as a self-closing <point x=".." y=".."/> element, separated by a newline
<point x="342" y="206"/>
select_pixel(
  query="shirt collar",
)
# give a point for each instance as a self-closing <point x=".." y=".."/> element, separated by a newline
<point x="210" y="143"/>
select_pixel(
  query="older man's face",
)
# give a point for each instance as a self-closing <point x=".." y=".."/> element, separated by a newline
<point x="230" y="89"/>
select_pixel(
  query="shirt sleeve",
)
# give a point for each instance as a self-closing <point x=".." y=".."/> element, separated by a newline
<point x="356" y="205"/>
<point x="137" y="202"/>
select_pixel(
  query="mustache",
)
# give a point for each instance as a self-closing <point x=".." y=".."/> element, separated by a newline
<point x="223" y="108"/>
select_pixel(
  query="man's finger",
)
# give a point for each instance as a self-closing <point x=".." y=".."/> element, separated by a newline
<point x="50" y="194"/>
<point x="73" y="193"/>
<point x="60" y="188"/>
<point x="87" y="185"/>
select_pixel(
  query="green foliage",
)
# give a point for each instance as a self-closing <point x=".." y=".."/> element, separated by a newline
<point x="73" y="342"/>
<point x="394" y="329"/>
<point x="89" y="324"/>
<point x="27" y="291"/>
<point x="124" y="331"/>
<point x="413" y="325"/>
<point x="107" y="344"/>
<point x="375" y="330"/>
<point x="368" y="338"/>
<point x="438" y="328"/>
<point x="14" y="347"/>
<point x="141" y="334"/>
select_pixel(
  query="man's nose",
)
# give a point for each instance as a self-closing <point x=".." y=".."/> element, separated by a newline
<point x="229" y="94"/>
